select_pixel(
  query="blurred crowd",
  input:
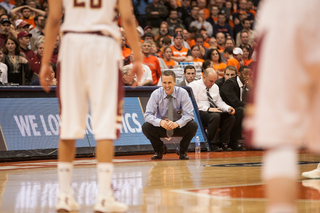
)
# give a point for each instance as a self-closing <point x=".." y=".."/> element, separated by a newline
<point x="174" y="33"/>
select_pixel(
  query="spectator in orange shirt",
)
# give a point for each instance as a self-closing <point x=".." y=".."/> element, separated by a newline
<point x="215" y="57"/>
<point x="179" y="29"/>
<point x="213" y="19"/>
<point x="202" y="6"/>
<point x="151" y="61"/>
<point x="213" y="43"/>
<point x="199" y="40"/>
<point x="230" y="43"/>
<point x="197" y="55"/>
<point x="167" y="58"/>
<point x="203" y="31"/>
<point x="180" y="53"/>
<point x="26" y="14"/>
<point x="250" y="7"/>
<point x="192" y="33"/>
<point x="125" y="50"/>
<point x="163" y="32"/>
<point x="234" y="57"/>
<point x="165" y="42"/>
<point x="246" y="56"/>
<point x="221" y="40"/>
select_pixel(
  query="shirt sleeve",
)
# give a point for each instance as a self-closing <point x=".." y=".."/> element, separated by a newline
<point x="152" y="108"/>
<point x="197" y="94"/>
<point x="189" y="53"/>
<point x="221" y="104"/>
<point x="186" y="107"/>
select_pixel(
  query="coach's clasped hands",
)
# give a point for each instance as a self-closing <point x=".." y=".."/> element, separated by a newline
<point x="168" y="125"/>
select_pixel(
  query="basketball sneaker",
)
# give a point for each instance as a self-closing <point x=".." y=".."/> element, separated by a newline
<point x="314" y="174"/>
<point x="109" y="204"/>
<point x="66" y="203"/>
<point x="314" y="184"/>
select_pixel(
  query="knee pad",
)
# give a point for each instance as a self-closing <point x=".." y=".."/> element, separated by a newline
<point x="280" y="162"/>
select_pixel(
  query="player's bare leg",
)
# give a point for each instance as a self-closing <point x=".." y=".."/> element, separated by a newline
<point x="105" y="199"/>
<point x="66" y="153"/>
<point x="279" y="174"/>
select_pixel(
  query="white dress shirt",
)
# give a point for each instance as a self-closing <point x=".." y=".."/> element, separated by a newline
<point x="200" y="94"/>
<point x="146" y="75"/>
<point x="241" y="87"/>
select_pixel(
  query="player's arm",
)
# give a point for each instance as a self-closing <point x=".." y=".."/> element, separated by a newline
<point x="51" y="32"/>
<point x="129" y="25"/>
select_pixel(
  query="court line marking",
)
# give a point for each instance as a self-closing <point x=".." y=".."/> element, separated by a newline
<point x="197" y="194"/>
<point x="76" y="163"/>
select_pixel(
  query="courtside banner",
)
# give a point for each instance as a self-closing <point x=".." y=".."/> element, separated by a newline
<point x="33" y="123"/>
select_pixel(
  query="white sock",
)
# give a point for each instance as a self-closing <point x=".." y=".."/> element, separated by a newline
<point x="104" y="174"/>
<point x="282" y="208"/>
<point x="64" y="176"/>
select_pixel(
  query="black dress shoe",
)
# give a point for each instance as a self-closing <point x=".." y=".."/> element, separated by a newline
<point x="183" y="156"/>
<point x="225" y="148"/>
<point x="158" y="155"/>
<point x="237" y="147"/>
<point x="215" y="148"/>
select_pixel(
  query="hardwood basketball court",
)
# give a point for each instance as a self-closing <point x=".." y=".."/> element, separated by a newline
<point x="210" y="182"/>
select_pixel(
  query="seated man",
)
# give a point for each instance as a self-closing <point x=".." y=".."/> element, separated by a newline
<point x="146" y="78"/>
<point x="189" y="74"/>
<point x="127" y="77"/>
<point x="234" y="92"/>
<point x="214" y="112"/>
<point x="169" y="112"/>
<point x="229" y="72"/>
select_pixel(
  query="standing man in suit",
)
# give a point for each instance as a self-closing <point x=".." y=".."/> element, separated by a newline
<point x="234" y="92"/>
<point x="169" y="113"/>
<point x="214" y="112"/>
<point x="189" y="74"/>
<point x="229" y="72"/>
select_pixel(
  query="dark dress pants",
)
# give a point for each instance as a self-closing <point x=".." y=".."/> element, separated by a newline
<point x="213" y="121"/>
<point x="236" y="132"/>
<point x="154" y="134"/>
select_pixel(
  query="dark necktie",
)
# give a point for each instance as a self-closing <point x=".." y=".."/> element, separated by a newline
<point x="210" y="99"/>
<point x="170" y="115"/>
<point x="244" y="94"/>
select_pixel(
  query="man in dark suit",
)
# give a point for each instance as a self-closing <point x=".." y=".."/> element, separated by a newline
<point x="229" y="72"/>
<point x="189" y="74"/>
<point x="234" y="93"/>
